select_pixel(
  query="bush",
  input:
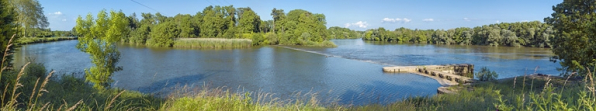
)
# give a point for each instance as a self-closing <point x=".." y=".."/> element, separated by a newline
<point x="486" y="75"/>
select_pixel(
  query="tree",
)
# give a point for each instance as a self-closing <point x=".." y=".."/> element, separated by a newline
<point x="248" y="21"/>
<point x="98" y="39"/>
<point x="573" y="42"/>
<point x="7" y="26"/>
<point x="279" y="20"/>
<point x="30" y="14"/>
<point x="163" y="35"/>
<point x="486" y="75"/>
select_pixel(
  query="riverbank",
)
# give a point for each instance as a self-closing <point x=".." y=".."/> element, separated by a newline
<point x="33" y="40"/>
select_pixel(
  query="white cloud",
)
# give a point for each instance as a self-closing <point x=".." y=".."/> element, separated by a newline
<point x="467" y="19"/>
<point x="498" y="21"/>
<point x="58" y="13"/>
<point x="428" y="20"/>
<point x="403" y="20"/>
<point x="63" y="19"/>
<point x="406" y="20"/>
<point x="360" y="24"/>
<point x="389" y="20"/>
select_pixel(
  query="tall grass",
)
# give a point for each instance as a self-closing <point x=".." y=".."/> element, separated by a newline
<point x="221" y="99"/>
<point x="519" y="93"/>
<point x="212" y="43"/>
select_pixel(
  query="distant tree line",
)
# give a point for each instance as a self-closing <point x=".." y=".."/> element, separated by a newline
<point x="527" y="34"/>
<point x="336" y="32"/>
<point x="297" y="27"/>
<point x="41" y="32"/>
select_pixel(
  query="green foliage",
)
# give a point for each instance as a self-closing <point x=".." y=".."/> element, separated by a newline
<point x="486" y="75"/>
<point x="30" y="15"/>
<point x="248" y="20"/>
<point x="573" y="41"/>
<point x="342" y="33"/>
<point x="528" y="34"/>
<point x="163" y="35"/>
<point x="221" y="22"/>
<point x="7" y="25"/>
<point x="98" y="38"/>
<point x="140" y="35"/>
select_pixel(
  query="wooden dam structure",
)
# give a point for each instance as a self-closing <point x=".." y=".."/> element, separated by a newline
<point x="450" y="74"/>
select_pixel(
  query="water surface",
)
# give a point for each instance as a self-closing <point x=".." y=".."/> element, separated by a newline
<point x="351" y="72"/>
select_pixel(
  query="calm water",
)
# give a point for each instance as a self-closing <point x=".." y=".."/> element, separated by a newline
<point x="351" y="72"/>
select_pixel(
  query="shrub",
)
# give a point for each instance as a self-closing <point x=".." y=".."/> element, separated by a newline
<point x="486" y="75"/>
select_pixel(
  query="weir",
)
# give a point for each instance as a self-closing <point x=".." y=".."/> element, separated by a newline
<point x="450" y="74"/>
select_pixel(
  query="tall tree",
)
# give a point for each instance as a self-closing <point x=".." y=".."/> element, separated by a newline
<point x="7" y="28"/>
<point x="98" y="39"/>
<point x="573" y="43"/>
<point x="248" y="21"/>
<point x="30" y="14"/>
<point x="278" y="20"/>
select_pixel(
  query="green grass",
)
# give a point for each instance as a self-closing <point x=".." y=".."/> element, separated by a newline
<point x="212" y="43"/>
<point x="32" y="40"/>
<point x="219" y="99"/>
<point x="509" y="94"/>
<point x="34" y="90"/>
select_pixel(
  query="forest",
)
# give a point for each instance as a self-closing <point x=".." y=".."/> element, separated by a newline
<point x="517" y="34"/>
<point x="297" y="27"/>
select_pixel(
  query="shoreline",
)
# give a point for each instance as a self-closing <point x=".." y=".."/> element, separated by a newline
<point x="35" y="40"/>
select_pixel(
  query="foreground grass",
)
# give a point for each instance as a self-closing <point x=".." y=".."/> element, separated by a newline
<point x="32" y="89"/>
<point x="71" y="92"/>
<point x="32" y="40"/>
<point x="212" y="43"/>
<point x="522" y="93"/>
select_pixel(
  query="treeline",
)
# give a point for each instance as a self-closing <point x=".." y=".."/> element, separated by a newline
<point x="297" y="27"/>
<point x="527" y="34"/>
<point x="343" y="33"/>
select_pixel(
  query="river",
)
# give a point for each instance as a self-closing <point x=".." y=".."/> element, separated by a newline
<point x="348" y="74"/>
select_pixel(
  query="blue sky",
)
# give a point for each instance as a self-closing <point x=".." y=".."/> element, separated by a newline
<point x="354" y="14"/>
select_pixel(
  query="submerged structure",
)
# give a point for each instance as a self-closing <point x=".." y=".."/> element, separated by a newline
<point x="450" y="74"/>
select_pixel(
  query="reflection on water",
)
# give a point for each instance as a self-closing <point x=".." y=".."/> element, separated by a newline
<point x="351" y="72"/>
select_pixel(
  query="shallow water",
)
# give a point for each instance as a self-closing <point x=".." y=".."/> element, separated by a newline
<point x="351" y="72"/>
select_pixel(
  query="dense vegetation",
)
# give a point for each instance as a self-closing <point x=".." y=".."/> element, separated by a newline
<point x="298" y="27"/>
<point x="573" y="43"/>
<point x="343" y="33"/>
<point x="528" y="34"/>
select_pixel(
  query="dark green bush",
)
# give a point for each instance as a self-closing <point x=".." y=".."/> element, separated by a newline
<point x="486" y="75"/>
